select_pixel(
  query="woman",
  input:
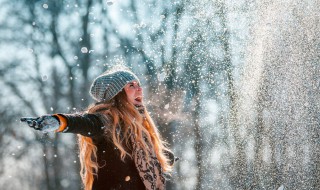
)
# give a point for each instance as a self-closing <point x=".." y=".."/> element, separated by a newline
<point x="120" y="147"/>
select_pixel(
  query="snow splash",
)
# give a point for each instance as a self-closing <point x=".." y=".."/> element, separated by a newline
<point x="277" y="112"/>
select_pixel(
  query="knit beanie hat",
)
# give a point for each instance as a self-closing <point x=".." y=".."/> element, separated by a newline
<point x="110" y="83"/>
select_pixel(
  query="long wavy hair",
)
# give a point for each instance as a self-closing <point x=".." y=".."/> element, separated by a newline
<point x="120" y="115"/>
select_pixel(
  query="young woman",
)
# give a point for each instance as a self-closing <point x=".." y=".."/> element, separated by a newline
<point x="120" y="147"/>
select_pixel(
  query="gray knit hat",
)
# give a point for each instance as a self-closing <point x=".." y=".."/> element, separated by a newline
<point x="110" y="83"/>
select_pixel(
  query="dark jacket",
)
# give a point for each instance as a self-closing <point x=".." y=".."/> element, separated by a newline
<point x="112" y="173"/>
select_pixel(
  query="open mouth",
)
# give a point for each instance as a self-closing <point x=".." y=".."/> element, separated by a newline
<point x="138" y="99"/>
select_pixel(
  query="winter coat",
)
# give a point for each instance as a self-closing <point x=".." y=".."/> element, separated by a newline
<point x="113" y="174"/>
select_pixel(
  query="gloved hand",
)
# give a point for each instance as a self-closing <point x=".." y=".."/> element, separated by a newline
<point x="45" y="123"/>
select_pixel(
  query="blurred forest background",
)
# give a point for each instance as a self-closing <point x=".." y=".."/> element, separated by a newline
<point x="232" y="85"/>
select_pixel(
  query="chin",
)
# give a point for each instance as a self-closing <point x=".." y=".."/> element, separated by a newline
<point x="138" y="103"/>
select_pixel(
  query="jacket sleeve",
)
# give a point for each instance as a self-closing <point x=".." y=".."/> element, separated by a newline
<point x="89" y="125"/>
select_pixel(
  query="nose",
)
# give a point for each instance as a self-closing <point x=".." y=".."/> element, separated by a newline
<point x="139" y="88"/>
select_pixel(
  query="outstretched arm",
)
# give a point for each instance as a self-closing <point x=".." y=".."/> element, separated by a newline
<point x="84" y="124"/>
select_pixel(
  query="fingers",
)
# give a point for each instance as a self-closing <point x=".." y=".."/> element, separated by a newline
<point x="43" y="123"/>
<point x="34" y="123"/>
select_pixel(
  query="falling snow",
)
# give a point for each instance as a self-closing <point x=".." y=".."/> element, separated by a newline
<point x="233" y="86"/>
<point x="84" y="50"/>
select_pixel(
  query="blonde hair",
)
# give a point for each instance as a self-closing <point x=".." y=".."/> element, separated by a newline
<point x="118" y="114"/>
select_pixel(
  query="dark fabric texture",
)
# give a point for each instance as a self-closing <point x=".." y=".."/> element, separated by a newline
<point x="113" y="174"/>
<point x="88" y="125"/>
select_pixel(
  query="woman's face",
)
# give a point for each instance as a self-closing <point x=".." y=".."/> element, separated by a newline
<point x="134" y="93"/>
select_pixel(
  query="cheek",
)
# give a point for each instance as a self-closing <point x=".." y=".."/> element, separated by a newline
<point x="130" y="94"/>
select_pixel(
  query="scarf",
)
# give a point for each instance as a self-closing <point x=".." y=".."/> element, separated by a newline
<point x="150" y="170"/>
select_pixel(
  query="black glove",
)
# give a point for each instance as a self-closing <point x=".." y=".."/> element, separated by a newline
<point x="45" y="123"/>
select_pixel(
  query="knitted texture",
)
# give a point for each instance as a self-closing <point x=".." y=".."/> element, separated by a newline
<point x="110" y="83"/>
